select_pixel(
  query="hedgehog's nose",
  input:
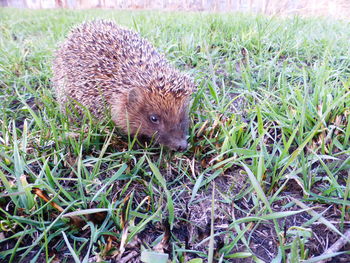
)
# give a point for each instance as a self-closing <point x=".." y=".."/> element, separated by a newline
<point x="182" y="146"/>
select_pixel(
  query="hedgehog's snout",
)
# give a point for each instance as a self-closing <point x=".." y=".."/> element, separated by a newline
<point x="175" y="144"/>
<point x="182" y="146"/>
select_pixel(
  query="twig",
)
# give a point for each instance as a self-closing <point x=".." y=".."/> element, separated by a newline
<point x="336" y="246"/>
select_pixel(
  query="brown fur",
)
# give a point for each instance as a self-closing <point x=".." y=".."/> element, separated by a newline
<point x="103" y="66"/>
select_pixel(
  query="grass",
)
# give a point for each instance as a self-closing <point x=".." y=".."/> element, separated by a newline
<point x="266" y="177"/>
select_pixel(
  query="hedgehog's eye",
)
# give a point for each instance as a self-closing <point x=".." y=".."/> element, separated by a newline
<point x="154" y="118"/>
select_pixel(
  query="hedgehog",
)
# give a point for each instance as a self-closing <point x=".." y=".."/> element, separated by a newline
<point x="106" y="68"/>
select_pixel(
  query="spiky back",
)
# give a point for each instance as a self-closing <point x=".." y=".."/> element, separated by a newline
<point x="100" y="62"/>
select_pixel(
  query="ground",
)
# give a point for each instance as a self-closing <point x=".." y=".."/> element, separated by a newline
<point x="265" y="179"/>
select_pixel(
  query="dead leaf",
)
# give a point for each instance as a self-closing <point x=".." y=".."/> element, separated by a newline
<point x="43" y="195"/>
<point x="97" y="218"/>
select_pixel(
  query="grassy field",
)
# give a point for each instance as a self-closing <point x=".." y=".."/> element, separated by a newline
<point x="265" y="179"/>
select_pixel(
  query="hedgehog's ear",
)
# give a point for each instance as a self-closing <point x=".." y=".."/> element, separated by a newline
<point x="132" y="97"/>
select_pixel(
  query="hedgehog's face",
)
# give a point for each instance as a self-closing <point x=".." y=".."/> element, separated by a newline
<point x="169" y="131"/>
<point x="162" y="116"/>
